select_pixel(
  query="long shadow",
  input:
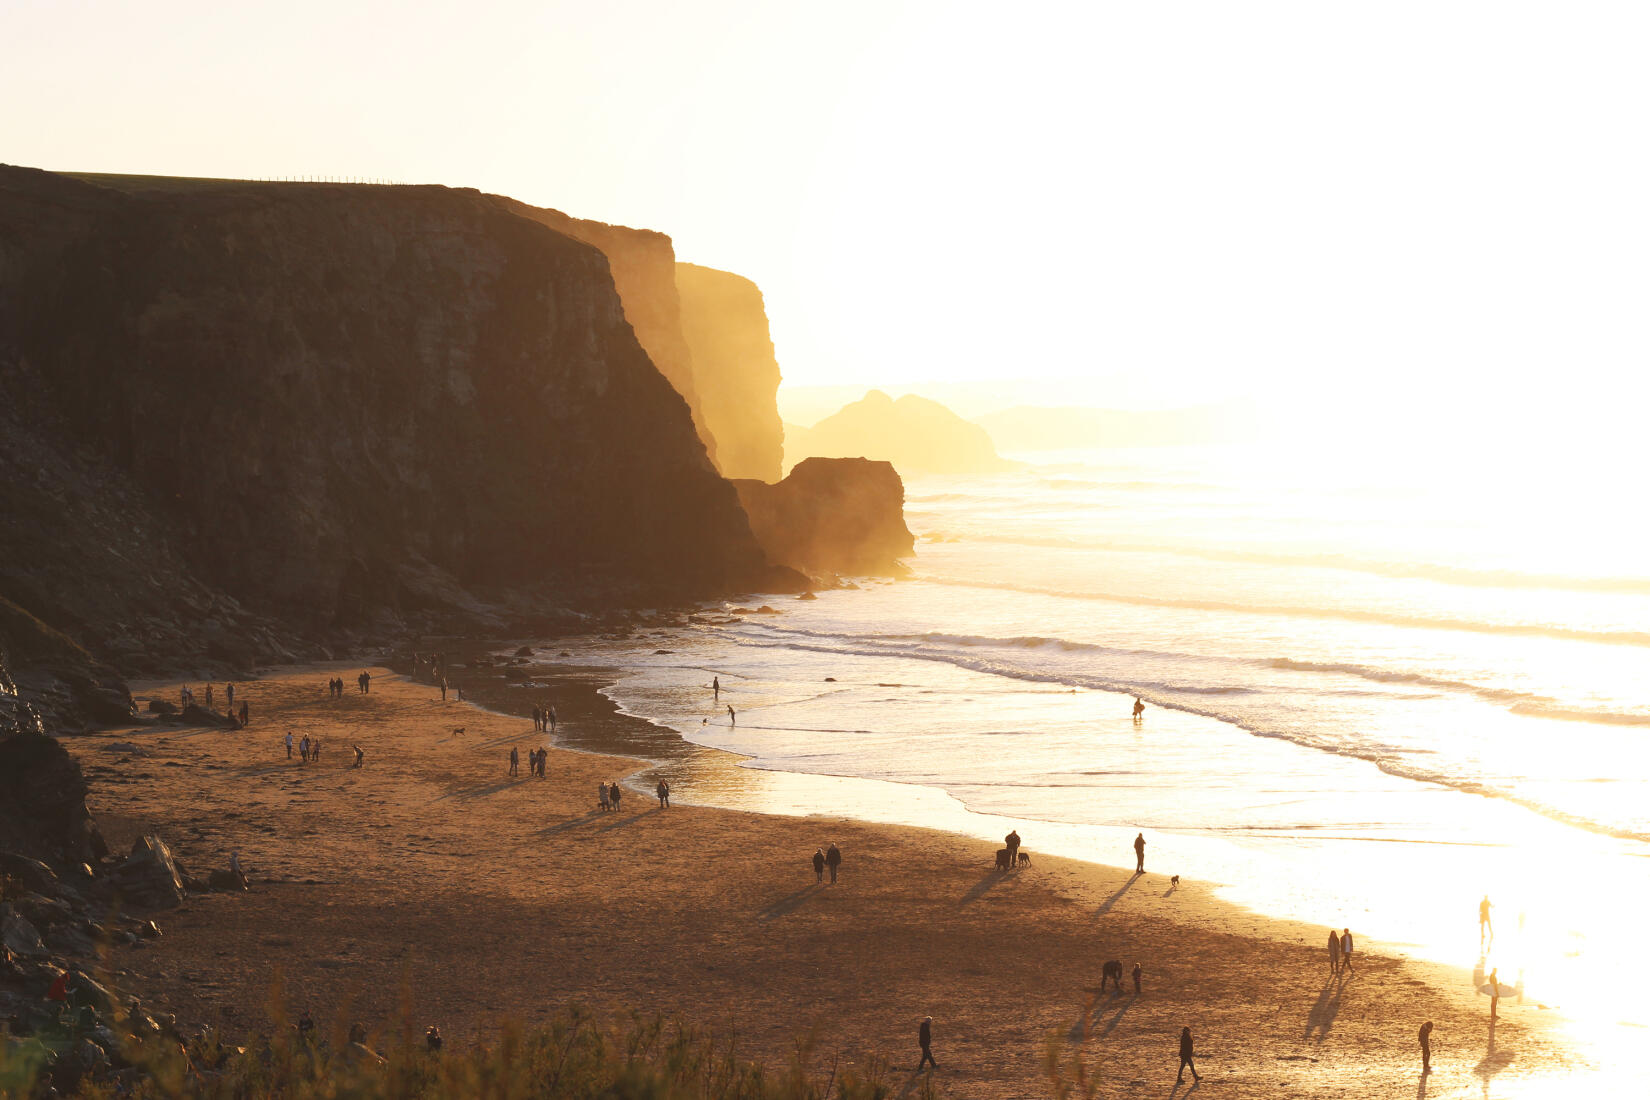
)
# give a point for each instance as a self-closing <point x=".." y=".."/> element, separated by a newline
<point x="570" y="823"/>
<point x="1321" y="1017"/>
<point x="1494" y="1061"/>
<point x="624" y="819"/>
<point x="470" y="794"/>
<point x="790" y="903"/>
<point x="1079" y="1029"/>
<point x="1117" y="894"/>
<point x="983" y="887"/>
<point x="1116" y="1018"/>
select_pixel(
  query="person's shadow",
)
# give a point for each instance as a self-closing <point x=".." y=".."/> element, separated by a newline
<point x="1116" y="895"/>
<point x="983" y="887"/>
<point x="790" y="903"/>
<point x="1322" y="1015"/>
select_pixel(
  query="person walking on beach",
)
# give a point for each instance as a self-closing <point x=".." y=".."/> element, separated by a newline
<point x="1139" y="853"/>
<point x="716" y="687"/>
<point x="833" y="859"/>
<point x="1495" y="993"/>
<point x="1012" y="843"/>
<point x="601" y="793"/>
<point x="289" y="744"/>
<point x="245" y="712"/>
<point x="515" y="762"/>
<point x="925" y="1040"/>
<point x="1485" y="928"/>
<point x="1334" y="953"/>
<point x="1186" y="1057"/>
<point x="315" y="750"/>
<point x="663" y="791"/>
<point x="819" y="865"/>
<point x="552" y="711"/>
<point x="443" y="689"/>
<point x="614" y="795"/>
<point x="538" y="720"/>
<point x="1135" y="974"/>
<point x="229" y="690"/>
<point x="1426" y="1048"/>
<point x="1346" y="950"/>
<point x="208" y="696"/>
<point x="303" y="748"/>
<point x="359" y="755"/>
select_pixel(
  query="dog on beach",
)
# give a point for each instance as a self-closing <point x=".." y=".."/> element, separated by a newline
<point x="1024" y="858"/>
<point x="458" y="731"/>
<point x="1112" y="971"/>
<point x="1174" y="882"/>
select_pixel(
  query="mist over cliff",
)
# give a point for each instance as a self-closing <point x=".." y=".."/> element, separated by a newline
<point x="736" y="373"/>
<point x="915" y="434"/>
<point x="232" y="410"/>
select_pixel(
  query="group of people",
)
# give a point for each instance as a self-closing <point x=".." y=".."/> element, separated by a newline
<point x="310" y="749"/>
<point x="535" y="761"/>
<point x="335" y="688"/>
<point x="544" y="718"/>
<point x="186" y="699"/>
<point x="608" y="795"/>
<point x="827" y="858"/>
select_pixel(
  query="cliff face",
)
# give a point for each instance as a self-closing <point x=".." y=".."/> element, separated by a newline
<point x="643" y="264"/>
<point x="913" y="433"/>
<point x="232" y="406"/>
<point x="737" y="375"/>
<point x="832" y="516"/>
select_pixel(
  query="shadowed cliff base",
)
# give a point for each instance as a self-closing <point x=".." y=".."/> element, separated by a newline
<point x="832" y="516"/>
<point x="240" y="415"/>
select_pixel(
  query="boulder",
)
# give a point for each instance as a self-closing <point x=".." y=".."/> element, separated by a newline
<point x="150" y="876"/>
<point x="832" y="516"/>
<point x="162" y="706"/>
<point x="18" y="935"/>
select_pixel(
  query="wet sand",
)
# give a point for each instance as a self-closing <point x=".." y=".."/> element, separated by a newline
<point x="481" y="896"/>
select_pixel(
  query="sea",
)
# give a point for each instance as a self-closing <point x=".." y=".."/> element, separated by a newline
<point x="1375" y="695"/>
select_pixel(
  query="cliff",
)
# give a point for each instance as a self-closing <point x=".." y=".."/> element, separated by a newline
<point x="832" y="516"/>
<point x="643" y="265"/>
<point x="726" y="327"/>
<point x="914" y="433"/>
<point x="235" y="412"/>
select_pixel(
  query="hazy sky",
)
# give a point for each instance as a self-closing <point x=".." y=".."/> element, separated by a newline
<point x="1338" y="207"/>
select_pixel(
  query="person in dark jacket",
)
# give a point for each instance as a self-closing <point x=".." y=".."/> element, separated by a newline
<point x="819" y="865"/>
<point x="1426" y="1048"/>
<point x="925" y="1040"/>
<point x="1186" y="1057"/>
<point x="833" y="859"/>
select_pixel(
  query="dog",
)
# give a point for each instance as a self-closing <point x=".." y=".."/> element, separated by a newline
<point x="1002" y="859"/>
<point x="1174" y="882"/>
<point x="1024" y="858"/>
<point x="1113" y="970"/>
<point x="458" y="731"/>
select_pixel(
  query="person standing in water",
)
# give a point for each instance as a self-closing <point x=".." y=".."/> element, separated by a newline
<point x="716" y="687"/>
<point x="732" y="720"/>
<point x="1139" y="708"/>
<point x="1140" y="853"/>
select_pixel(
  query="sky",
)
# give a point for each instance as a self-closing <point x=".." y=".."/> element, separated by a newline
<point x="1422" y="217"/>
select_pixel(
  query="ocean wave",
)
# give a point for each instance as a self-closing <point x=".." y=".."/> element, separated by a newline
<point x="1345" y="614"/>
<point x="1460" y="576"/>
<point x="1167" y="696"/>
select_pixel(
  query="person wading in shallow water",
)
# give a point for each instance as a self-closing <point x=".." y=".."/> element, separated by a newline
<point x="716" y="687"/>
<point x="732" y="720"/>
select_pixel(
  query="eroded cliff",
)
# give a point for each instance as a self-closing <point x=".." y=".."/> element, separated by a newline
<point x="726" y="326"/>
<point x="233" y="410"/>
<point x="832" y="517"/>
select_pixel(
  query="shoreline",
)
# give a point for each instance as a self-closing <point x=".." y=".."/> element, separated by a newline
<point x="438" y="875"/>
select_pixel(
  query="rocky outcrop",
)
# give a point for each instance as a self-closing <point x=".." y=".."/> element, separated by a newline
<point x="915" y="434"/>
<point x="832" y="516"/>
<point x="643" y="264"/>
<point x="236" y="412"/>
<point x="737" y="376"/>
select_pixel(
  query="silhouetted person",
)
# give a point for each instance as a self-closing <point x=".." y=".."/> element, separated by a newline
<point x="432" y="1039"/>
<point x="1484" y="925"/>
<point x="1186" y="1057"/>
<point x="614" y="795"/>
<point x="1426" y="1048"/>
<point x="732" y="721"/>
<point x="1495" y="993"/>
<point x="359" y="755"/>
<point x="289" y="744"/>
<point x="925" y="1040"/>
<point x="245" y="712"/>
<point x="515" y="762"/>
<point x="1346" y="950"/>
<point x="663" y="791"/>
<point x="1334" y="953"/>
<point x="1012" y="843"/>
<point x="716" y="687"/>
<point x="230" y="690"/>
<point x="833" y="859"/>
<point x="601" y="794"/>
<point x="1136" y="975"/>
<point x="819" y="865"/>
<point x="538" y="719"/>
<point x="552" y="719"/>
<point x="444" y="689"/>
<point x="1140" y="853"/>
<point x="1139" y="708"/>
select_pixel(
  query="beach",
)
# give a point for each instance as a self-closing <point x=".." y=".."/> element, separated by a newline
<point x="432" y="877"/>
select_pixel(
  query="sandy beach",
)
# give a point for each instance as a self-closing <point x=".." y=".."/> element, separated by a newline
<point x="483" y="896"/>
